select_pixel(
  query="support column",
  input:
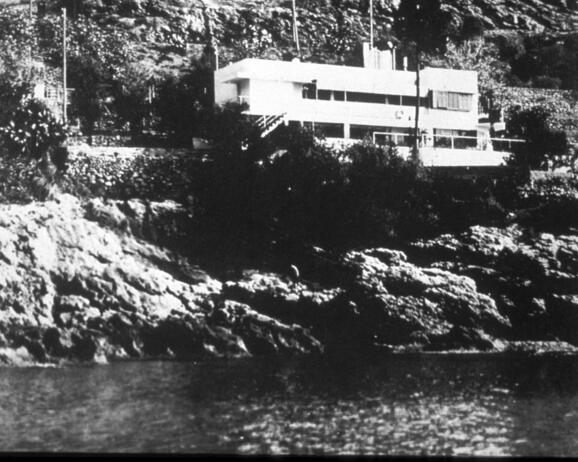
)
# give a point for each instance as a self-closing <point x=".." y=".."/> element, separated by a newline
<point x="347" y="131"/>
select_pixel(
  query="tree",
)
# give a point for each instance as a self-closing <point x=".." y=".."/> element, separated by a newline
<point x="131" y="102"/>
<point x="472" y="28"/>
<point x="182" y="100"/>
<point x="97" y="56"/>
<point x="543" y="143"/>
<point x="425" y="25"/>
<point x="18" y="71"/>
<point x="32" y="131"/>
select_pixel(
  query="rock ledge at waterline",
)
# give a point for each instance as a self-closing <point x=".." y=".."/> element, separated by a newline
<point x="79" y="282"/>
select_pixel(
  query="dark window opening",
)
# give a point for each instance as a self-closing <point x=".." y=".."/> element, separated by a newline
<point x="359" y="132"/>
<point x="393" y="99"/>
<point x="357" y="97"/>
<point x="310" y="91"/>
<point x="410" y="101"/>
<point x="330" y="130"/>
<point x="393" y="139"/>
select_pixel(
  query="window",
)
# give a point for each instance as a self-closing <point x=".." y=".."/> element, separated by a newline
<point x="330" y="130"/>
<point x="359" y="132"/>
<point x="357" y="97"/>
<point x="51" y="93"/>
<point x="453" y="101"/>
<point x="393" y="99"/>
<point x="310" y="91"/>
<point x="456" y="139"/>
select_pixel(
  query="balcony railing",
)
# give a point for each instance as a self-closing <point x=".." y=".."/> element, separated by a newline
<point x="447" y="141"/>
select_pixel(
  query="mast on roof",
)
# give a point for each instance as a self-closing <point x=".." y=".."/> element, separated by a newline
<point x="371" y="24"/>
<point x="296" y="29"/>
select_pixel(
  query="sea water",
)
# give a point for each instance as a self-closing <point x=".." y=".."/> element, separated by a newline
<point x="387" y="404"/>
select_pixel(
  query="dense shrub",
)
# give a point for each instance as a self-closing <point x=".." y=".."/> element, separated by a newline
<point x="23" y="180"/>
<point x="549" y="203"/>
<point x="32" y="131"/>
<point x="550" y="187"/>
<point x="384" y="195"/>
<point x="294" y="187"/>
<point x="542" y="142"/>
<point x="181" y="102"/>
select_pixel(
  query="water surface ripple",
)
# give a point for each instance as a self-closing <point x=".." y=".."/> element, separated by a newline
<point x="402" y="405"/>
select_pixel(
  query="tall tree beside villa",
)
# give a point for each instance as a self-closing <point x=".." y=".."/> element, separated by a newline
<point x="424" y="25"/>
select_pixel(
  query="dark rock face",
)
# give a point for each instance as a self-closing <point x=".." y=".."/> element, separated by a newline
<point x="532" y="278"/>
<point x="84" y="282"/>
<point x="384" y="301"/>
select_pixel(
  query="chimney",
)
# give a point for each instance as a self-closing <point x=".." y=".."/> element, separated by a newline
<point x="378" y="59"/>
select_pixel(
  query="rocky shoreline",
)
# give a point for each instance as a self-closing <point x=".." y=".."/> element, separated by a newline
<point x="89" y="282"/>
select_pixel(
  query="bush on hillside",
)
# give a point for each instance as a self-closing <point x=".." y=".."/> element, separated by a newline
<point x="23" y="180"/>
<point x="542" y="145"/>
<point x="384" y="195"/>
<point x="32" y="131"/>
<point x="294" y="187"/>
<point x="181" y="102"/>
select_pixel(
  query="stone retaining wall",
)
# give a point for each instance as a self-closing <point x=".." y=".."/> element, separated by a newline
<point x="127" y="152"/>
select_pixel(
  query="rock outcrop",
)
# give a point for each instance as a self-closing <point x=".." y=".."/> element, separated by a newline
<point x="533" y="277"/>
<point x="382" y="300"/>
<point x="75" y="283"/>
<point x="91" y="282"/>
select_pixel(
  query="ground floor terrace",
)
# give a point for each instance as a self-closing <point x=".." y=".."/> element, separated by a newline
<point x="438" y="147"/>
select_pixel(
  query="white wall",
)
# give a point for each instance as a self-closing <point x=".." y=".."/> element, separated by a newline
<point x="225" y="92"/>
<point x="276" y="88"/>
<point x="273" y="96"/>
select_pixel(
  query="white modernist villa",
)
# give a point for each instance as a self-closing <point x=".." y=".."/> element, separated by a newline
<point x="347" y="104"/>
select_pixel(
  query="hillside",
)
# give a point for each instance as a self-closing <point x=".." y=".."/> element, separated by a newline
<point x="331" y="31"/>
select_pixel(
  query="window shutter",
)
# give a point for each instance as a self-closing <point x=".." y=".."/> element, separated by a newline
<point x="466" y="102"/>
<point x="453" y="102"/>
<point x="441" y="98"/>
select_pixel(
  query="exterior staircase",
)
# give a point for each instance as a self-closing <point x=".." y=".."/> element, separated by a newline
<point x="268" y="123"/>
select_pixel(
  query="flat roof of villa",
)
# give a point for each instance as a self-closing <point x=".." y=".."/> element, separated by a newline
<point x="340" y="77"/>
